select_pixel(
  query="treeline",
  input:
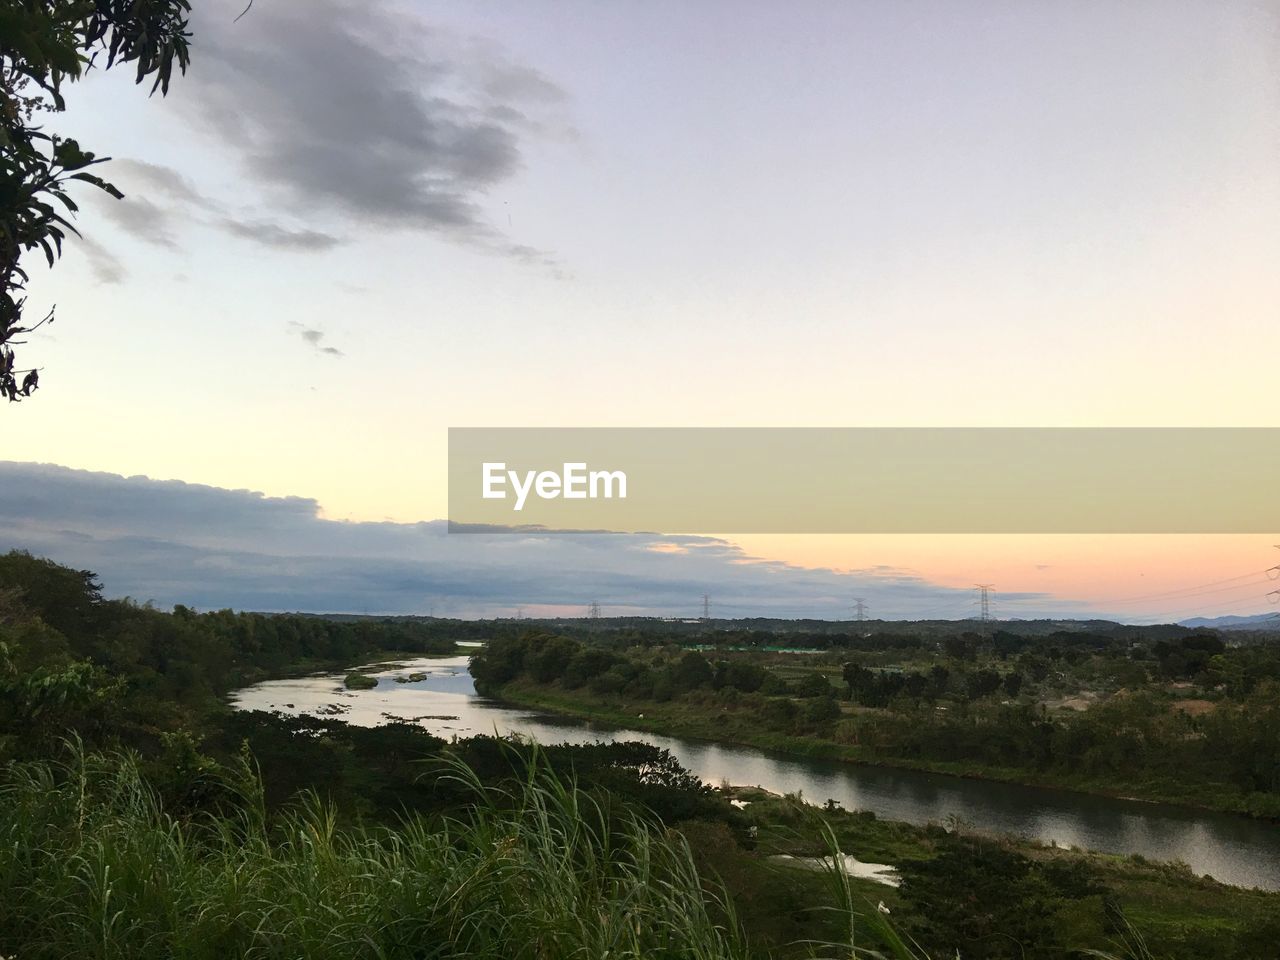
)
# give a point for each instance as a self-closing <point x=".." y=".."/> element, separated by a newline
<point x="959" y="713"/>
<point x="378" y="773"/>
<point x="70" y="659"/>
<point x="1228" y="757"/>
<point x="112" y="673"/>
<point x="973" y="667"/>
<point x="669" y="674"/>
<point x="768" y="633"/>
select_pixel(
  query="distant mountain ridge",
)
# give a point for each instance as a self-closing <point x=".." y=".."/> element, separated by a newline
<point x="1259" y="621"/>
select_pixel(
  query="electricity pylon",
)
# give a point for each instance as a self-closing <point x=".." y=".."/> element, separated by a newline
<point x="984" y="601"/>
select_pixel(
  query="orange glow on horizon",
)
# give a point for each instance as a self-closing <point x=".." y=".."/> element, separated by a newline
<point x="1178" y="575"/>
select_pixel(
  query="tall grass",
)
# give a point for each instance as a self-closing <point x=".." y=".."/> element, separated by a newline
<point x="868" y="934"/>
<point x="91" y="866"/>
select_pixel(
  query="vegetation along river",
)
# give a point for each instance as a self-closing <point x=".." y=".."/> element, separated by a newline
<point x="442" y="699"/>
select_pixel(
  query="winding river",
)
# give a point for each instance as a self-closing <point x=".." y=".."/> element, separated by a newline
<point x="442" y="699"/>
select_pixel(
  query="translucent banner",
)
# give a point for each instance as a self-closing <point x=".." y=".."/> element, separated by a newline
<point x="866" y="480"/>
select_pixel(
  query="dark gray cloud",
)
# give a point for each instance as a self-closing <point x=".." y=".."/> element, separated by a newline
<point x="359" y="109"/>
<point x="176" y="542"/>
<point x="314" y="338"/>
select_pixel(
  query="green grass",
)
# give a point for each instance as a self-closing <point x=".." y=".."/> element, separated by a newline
<point x="92" y="867"/>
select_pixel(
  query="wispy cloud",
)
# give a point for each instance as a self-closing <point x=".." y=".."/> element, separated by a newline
<point x="105" y="265"/>
<point x="143" y="218"/>
<point x="162" y="180"/>
<point x="159" y="200"/>
<point x="314" y="338"/>
<point x="274" y="235"/>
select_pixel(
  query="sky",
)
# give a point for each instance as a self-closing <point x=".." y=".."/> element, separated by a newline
<point x="354" y="225"/>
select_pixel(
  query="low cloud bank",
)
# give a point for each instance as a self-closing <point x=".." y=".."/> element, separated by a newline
<point x="207" y="547"/>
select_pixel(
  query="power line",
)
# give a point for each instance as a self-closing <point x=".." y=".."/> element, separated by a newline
<point x="859" y="609"/>
<point x="953" y="606"/>
<point x="1199" y="586"/>
<point x="1248" y="585"/>
<point x="1274" y="595"/>
<point x="1214" y="609"/>
<point x="593" y="611"/>
<point x="1228" y="585"/>
<point x="706" y="606"/>
<point x="1271" y="573"/>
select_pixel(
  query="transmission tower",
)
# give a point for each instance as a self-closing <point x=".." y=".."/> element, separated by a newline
<point x="1274" y="574"/>
<point x="706" y="606"/>
<point x="984" y="601"/>
<point x="859" y="609"/>
<point x="593" y="611"/>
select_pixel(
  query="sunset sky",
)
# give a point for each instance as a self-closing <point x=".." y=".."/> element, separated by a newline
<point x="353" y="225"/>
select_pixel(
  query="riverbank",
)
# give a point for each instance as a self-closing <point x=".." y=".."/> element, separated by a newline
<point x="729" y="726"/>
<point x="1174" y="908"/>
<point x="775" y="870"/>
<point x="313" y="666"/>
<point x="443" y="702"/>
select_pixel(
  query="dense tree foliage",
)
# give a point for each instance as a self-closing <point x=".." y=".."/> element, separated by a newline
<point x="1122" y="709"/>
<point x="44" y="46"/>
<point x="996" y="900"/>
<point x="112" y="672"/>
<point x="71" y="660"/>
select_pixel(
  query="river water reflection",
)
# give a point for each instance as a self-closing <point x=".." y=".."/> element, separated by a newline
<point x="443" y="700"/>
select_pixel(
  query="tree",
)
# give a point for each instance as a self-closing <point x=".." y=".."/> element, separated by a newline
<point x="692" y="671"/>
<point x="744" y="676"/>
<point x="985" y="900"/>
<point x="821" y="709"/>
<point x="1013" y="683"/>
<point x="44" y="45"/>
<point x="550" y="661"/>
<point x="961" y="648"/>
<point x="982" y="683"/>
<point x="858" y="680"/>
<point x="813" y="685"/>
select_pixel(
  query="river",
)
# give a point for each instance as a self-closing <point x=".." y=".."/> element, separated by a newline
<point x="1231" y="849"/>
